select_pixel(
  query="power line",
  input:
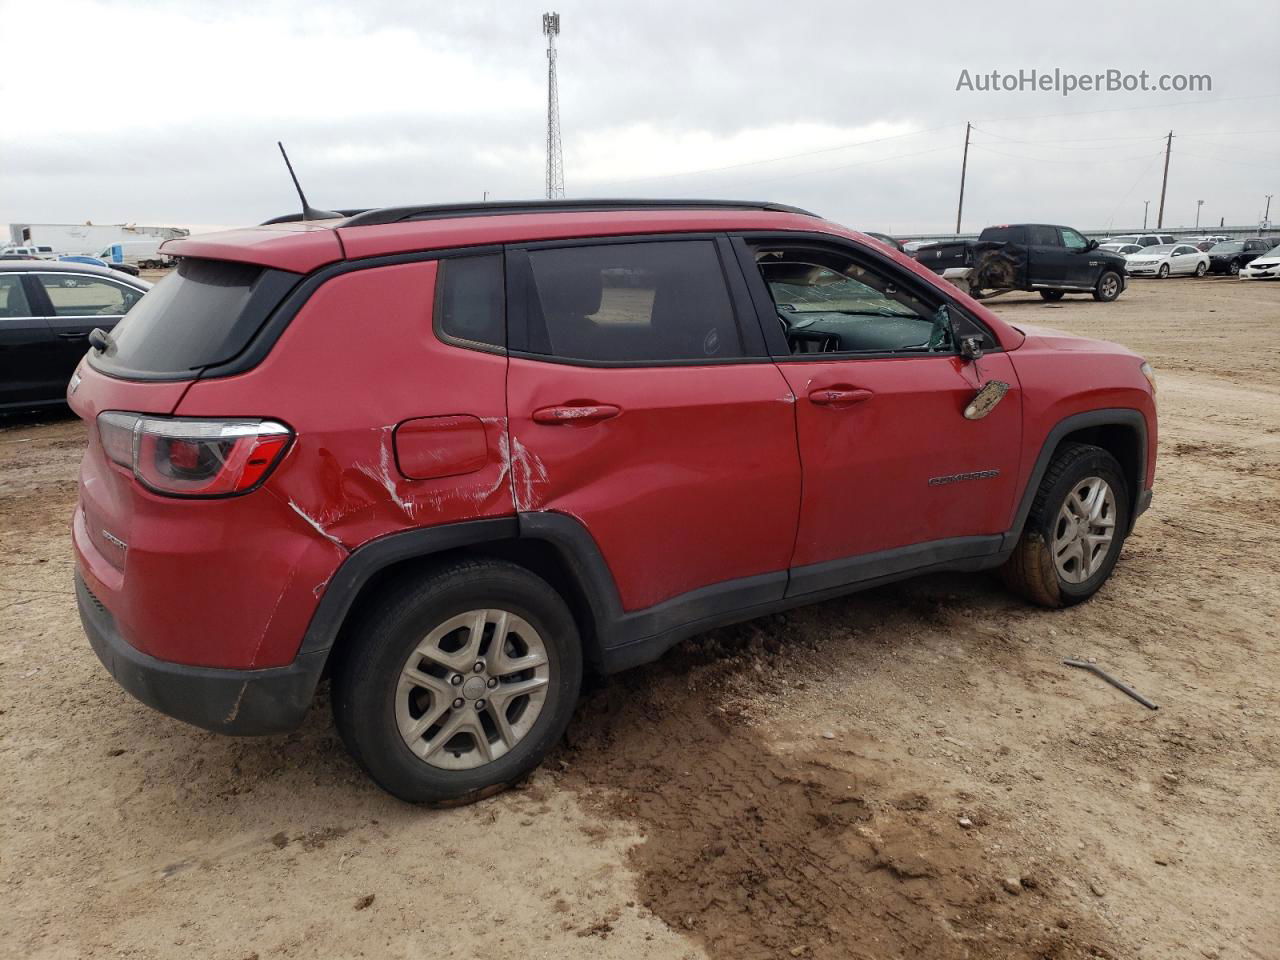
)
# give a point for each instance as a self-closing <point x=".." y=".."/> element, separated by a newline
<point x="1073" y="161"/>
<point x="779" y="159"/>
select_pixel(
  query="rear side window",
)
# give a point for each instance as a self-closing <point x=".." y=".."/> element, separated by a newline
<point x="76" y="295"/>
<point x="203" y="313"/>
<point x="631" y="303"/>
<point x="13" y="300"/>
<point x="470" y="300"/>
<point x="1043" y="236"/>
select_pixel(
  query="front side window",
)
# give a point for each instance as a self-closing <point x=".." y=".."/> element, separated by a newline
<point x="77" y="295"/>
<point x="648" y="302"/>
<point x="1072" y="240"/>
<point x="828" y="303"/>
<point x="13" y="299"/>
<point x="470" y="300"/>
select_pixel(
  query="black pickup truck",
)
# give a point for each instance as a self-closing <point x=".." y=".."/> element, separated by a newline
<point x="1051" y="259"/>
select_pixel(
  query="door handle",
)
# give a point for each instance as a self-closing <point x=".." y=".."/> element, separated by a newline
<point x="840" y="396"/>
<point x="73" y="336"/>
<point x="576" y="413"/>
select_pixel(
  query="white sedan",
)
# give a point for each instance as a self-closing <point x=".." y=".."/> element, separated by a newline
<point x="1264" y="267"/>
<point x="1166" y="260"/>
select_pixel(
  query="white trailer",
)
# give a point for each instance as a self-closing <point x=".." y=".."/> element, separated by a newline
<point x="86" y="238"/>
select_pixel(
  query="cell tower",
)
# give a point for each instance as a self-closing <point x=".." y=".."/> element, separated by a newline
<point x="555" y="155"/>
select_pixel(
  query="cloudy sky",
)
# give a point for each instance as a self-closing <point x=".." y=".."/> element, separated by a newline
<point x="167" y="111"/>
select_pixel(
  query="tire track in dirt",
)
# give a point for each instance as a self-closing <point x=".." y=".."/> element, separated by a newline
<point x="832" y="853"/>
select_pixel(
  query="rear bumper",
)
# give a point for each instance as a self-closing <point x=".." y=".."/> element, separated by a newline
<point x="235" y="702"/>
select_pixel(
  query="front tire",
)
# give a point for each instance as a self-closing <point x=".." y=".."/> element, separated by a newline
<point x="457" y="683"/>
<point x="1163" y="274"/>
<point x="1108" y="288"/>
<point x="1052" y="295"/>
<point x="1075" y="530"/>
<point x="1234" y="268"/>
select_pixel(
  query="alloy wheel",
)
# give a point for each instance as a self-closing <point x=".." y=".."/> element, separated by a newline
<point x="472" y="689"/>
<point x="1084" y="530"/>
<point x="1110" y="285"/>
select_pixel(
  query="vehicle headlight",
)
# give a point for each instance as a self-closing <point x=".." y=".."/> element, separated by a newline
<point x="1150" y="374"/>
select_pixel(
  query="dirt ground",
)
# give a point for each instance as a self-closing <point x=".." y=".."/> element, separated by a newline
<point x="908" y="772"/>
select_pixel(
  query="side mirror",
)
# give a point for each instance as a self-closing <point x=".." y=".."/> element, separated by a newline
<point x="1091" y="245"/>
<point x="971" y="348"/>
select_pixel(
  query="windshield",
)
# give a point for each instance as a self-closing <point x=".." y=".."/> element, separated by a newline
<point x="1232" y="246"/>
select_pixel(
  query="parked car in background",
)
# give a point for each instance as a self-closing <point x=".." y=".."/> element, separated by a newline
<point x="1266" y="266"/>
<point x="810" y="414"/>
<point x="1051" y="259"/>
<point x="886" y="240"/>
<point x="1142" y="239"/>
<point x="136" y="253"/>
<point x="1230" y="255"/>
<point x="39" y="251"/>
<point x="1166" y="260"/>
<point x="99" y="262"/>
<point x="47" y="310"/>
<point x="1124" y="249"/>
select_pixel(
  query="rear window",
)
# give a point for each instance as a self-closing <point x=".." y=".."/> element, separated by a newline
<point x="1005" y="234"/>
<point x="203" y="313"/>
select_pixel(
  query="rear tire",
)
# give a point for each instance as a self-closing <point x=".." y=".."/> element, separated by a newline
<point x="1060" y="558"/>
<point x="403" y="670"/>
<point x="1201" y="269"/>
<point x="1109" y="286"/>
<point x="1052" y="295"/>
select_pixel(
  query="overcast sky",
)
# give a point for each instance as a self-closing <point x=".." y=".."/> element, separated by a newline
<point x="167" y="111"/>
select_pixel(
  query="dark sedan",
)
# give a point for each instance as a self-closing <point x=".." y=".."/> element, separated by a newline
<point x="47" y="309"/>
<point x="1230" y="255"/>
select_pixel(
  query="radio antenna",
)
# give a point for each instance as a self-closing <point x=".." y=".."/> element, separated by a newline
<point x="308" y="212"/>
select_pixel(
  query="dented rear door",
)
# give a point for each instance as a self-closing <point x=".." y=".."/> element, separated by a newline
<point x="642" y="407"/>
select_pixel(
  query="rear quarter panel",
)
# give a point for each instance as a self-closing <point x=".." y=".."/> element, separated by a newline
<point x="359" y="359"/>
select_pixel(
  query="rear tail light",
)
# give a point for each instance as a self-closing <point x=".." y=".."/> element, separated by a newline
<point x="194" y="458"/>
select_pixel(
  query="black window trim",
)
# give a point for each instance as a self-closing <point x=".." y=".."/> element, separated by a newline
<point x="779" y="350"/>
<point x="437" y="322"/>
<point x="519" y="273"/>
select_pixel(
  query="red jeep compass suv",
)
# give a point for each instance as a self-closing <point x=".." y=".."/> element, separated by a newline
<point x="448" y="455"/>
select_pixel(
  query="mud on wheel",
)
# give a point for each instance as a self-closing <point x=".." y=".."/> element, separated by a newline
<point x="458" y="681"/>
<point x="1075" y="530"/>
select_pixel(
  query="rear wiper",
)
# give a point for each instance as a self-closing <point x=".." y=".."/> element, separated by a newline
<point x="99" y="339"/>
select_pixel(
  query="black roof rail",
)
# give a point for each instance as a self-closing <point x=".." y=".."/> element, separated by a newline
<point x="441" y="211"/>
<point x="295" y="217"/>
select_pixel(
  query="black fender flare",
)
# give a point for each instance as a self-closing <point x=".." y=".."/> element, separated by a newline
<point x="369" y="559"/>
<point x="1128" y="417"/>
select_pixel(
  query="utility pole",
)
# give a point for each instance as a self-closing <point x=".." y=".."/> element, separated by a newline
<point x="964" y="167"/>
<point x="1199" y="204"/>
<point x="1267" y="216"/>
<point x="1164" y="184"/>
<point x="1146" y="205"/>
<point x="555" y="155"/>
